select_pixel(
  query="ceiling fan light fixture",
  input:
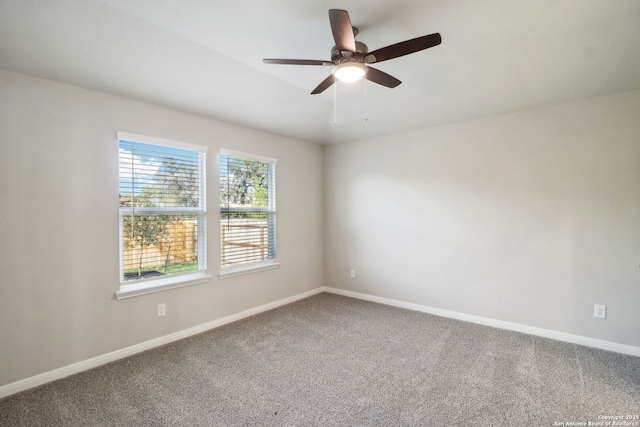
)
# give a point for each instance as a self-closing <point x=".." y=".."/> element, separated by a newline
<point x="349" y="71"/>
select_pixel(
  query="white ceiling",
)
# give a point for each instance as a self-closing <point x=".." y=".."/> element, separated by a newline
<point x="205" y="57"/>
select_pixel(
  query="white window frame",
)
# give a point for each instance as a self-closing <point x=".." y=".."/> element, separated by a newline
<point x="254" y="267"/>
<point x="129" y="289"/>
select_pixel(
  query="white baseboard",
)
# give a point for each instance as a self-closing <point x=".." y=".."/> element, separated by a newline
<point x="546" y="333"/>
<point x="84" y="365"/>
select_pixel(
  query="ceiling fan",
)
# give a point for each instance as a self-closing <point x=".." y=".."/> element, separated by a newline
<point x="350" y="58"/>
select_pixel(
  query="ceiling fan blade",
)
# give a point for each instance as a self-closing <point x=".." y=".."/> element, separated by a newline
<point x="403" y="48"/>
<point x="326" y="83"/>
<point x="296" y="62"/>
<point x="382" y="78"/>
<point x="342" y="30"/>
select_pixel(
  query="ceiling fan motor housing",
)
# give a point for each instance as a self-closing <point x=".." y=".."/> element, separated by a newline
<point x="338" y="57"/>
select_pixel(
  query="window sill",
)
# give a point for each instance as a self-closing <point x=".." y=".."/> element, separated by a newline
<point x="128" y="290"/>
<point x="238" y="271"/>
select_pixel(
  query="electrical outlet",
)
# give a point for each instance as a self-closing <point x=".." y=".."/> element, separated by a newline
<point x="352" y="274"/>
<point x="600" y="311"/>
<point x="162" y="309"/>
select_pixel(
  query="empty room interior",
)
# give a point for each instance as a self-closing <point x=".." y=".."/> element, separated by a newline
<point x="208" y="220"/>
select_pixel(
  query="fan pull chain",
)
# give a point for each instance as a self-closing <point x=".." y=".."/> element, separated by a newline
<point x="335" y="104"/>
<point x="366" y="116"/>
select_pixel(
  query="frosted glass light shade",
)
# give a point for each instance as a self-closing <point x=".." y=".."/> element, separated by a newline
<point x="349" y="71"/>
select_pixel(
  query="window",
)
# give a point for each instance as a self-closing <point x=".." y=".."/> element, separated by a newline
<point x="162" y="214"/>
<point x="247" y="212"/>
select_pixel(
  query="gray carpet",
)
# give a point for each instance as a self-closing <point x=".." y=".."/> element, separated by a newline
<point x="334" y="361"/>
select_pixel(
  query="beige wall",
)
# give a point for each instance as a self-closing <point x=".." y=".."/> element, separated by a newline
<point x="59" y="225"/>
<point x="529" y="217"/>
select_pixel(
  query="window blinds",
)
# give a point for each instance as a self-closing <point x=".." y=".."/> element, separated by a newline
<point x="247" y="208"/>
<point x="162" y="208"/>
